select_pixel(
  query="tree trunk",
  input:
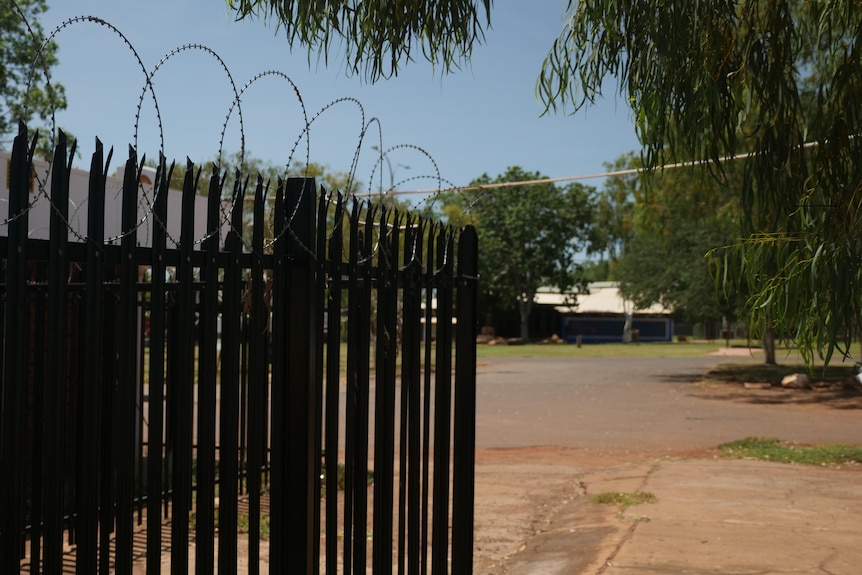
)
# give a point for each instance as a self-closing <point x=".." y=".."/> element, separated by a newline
<point x="525" y="307"/>
<point x="769" y="346"/>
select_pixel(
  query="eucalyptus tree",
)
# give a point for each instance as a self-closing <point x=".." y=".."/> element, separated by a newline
<point x="679" y="219"/>
<point x="22" y="66"/>
<point x="778" y="81"/>
<point x="530" y="236"/>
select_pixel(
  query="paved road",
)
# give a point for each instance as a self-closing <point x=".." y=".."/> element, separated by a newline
<point x="636" y="403"/>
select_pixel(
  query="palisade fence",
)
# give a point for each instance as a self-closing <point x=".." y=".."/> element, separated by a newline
<point x="223" y="406"/>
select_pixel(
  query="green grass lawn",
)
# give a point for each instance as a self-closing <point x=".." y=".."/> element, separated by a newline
<point x="730" y="370"/>
<point x="661" y="349"/>
<point x="772" y="449"/>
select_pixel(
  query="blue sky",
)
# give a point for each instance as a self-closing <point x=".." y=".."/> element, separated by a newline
<point x="481" y="119"/>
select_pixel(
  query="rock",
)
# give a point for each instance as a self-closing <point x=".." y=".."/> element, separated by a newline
<point x="795" y="381"/>
<point x="515" y="341"/>
<point x="484" y="338"/>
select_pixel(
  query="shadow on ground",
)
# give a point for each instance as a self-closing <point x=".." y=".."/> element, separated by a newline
<point x="843" y="399"/>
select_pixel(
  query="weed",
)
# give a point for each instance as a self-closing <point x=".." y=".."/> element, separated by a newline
<point x="340" y="470"/>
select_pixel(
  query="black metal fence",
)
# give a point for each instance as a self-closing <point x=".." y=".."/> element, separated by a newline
<point x="222" y="406"/>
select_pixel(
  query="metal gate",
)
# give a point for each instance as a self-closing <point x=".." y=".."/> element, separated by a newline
<point x="295" y="388"/>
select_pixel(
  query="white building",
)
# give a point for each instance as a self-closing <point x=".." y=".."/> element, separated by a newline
<point x="604" y="315"/>
<point x="39" y="216"/>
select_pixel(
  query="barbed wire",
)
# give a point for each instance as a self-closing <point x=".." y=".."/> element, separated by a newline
<point x="147" y="195"/>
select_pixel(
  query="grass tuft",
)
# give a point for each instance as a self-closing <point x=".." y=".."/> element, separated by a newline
<point x="624" y="500"/>
<point x="773" y="449"/>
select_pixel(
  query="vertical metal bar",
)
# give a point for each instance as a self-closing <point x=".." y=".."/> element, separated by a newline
<point x="411" y="374"/>
<point x="404" y="404"/>
<point x="55" y="396"/>
<point x="428" y="280"/>
<point x="384" y="395"/>
<point x="361" y="379"/>
<point x="464" y="431"/>
<point x="127" y="363"/>
<point x="208" y="342"/>
<point x="243" y="389"/>
<point x="15" y="361"/>
<point x="183" y="386"/>
<point x="333" y="381"/>
<point x="317" y="319"/>
<point x="91" y="361"/>
<point x="278" y="465"/>
<point x="229" y="407"/>
<point x="156" y="401"/>
<point x="36" y="335"/>
<point x="257" y="380"/>
<point x="352" y="403"/>
<point x="442" y="407"/>
<point x="74" y="343"/>
<point x="3" y="288"/>
<point x="141" y="417"/>
<point x="108" y="445"/>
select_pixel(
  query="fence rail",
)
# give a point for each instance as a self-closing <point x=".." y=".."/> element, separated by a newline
<point x="213" y="394"/>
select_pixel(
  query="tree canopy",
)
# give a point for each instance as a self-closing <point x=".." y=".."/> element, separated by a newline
<point x="614" y="211"/>
<point x="529" y="235"/>
<point x="20" y="66"/>
<point x="778" y="83"/>
<point x="251" y="166"/>
<point x="678" y="219"/>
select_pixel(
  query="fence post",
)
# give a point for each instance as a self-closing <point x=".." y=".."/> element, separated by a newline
<point x="293" y="421"/>
<point x="279" y="363"/>
<point x="464" y="456"/>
